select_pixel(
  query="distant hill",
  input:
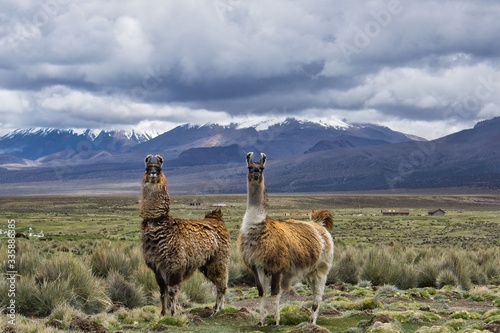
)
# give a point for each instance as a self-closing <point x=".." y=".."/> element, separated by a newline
<point x="303" y="156"/>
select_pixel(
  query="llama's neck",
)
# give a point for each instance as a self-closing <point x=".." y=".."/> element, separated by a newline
<point x="256" y="212"/>
<point x="155" y="201"/>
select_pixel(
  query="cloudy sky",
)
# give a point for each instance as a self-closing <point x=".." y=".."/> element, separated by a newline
<point x="427" y="67"/>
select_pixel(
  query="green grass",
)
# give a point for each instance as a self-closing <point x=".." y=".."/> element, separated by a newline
<point x="90" y="257"/>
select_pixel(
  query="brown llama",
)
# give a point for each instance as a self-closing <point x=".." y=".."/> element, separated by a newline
<point x="277" y="251"/>
<point x="175" y="248"/>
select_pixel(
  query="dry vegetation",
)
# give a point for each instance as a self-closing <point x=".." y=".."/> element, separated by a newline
<point x="413" y="273"/>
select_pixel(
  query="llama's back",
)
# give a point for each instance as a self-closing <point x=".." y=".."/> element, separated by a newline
<point x="289" y="245"/>
<point x="324" y="260"/>
<point x="183" y="245"/>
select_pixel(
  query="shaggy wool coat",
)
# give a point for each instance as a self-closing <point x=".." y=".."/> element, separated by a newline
<point x="181" y="246"/>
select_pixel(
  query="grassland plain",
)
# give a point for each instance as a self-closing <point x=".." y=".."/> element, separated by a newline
<point x="414" y="273"/>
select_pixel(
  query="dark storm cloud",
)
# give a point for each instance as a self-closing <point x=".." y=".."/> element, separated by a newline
<point x="124" y="63"/>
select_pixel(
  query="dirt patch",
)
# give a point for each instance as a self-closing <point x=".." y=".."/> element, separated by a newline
<point x="242" y="313"/>
<point x="159" y="328"/>
<point x="493" y="326"/>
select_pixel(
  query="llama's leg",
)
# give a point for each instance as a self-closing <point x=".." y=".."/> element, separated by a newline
<point x="217" y="274"/>
<point x="163" y="290"/>
<point x="260" y="289"/>
<point x="317" y="284"/>
<point x="264" y="281"/>
<point x="276" y="292"/>
<point x="172" y="298"/>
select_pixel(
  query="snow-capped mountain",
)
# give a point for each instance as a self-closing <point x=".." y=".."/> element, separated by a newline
<point x="302" y="156"/>
<point x="279" y="136"/>
<point x="35" y="143"/>
<point x="263" y="123"/>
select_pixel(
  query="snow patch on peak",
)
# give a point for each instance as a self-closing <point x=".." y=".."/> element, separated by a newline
<point x="262" y="123"/>
<point x="141" y="136"/>
<point x="89" y="134"/>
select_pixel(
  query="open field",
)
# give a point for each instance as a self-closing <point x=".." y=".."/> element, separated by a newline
<point x="469" y="220"/>
<point x="410" y="294"/>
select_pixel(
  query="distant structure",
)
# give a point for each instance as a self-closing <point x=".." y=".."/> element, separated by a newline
<point x="395" y="211"/>
<point x="436" y="212"/>
<point x="31" y="233"/>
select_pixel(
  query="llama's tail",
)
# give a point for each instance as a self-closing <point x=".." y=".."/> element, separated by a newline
<point x="215" y="214"/>
<point x="323" y="217"/>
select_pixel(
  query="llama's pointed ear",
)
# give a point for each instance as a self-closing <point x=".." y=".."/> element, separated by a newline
<point x="159" y="159"/>
<point x="263" y="158"/>
<point x="249" y="158"/>
<point x="148" y="159"/>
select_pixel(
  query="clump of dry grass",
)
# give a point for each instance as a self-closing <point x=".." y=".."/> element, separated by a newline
<point x="346" y="266"/>
<point x="124" y="292"/>
<point x="381" y="266"/>
<point x="110" y="257"/>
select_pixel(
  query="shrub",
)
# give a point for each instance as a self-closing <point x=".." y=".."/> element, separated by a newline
<point x="145" y="278"/>
<point x="198" y="289"/>
<point x="236" y="268"/>
<point x="108" y="258"/>
<point x="446" y="278"/>
<point x="364" y="284"/>
<point x="457" y="263"/>
<point x="347" y="269"/>
<point x="428" y="271"/>
<point x="381" y="267"/>
<point x="409" y="277"/>
<point x="28" y="258"/>
<point x="87" y="293"/>
<point x="388" y="289"/>
<point x="492" y="271"/>
<point x="477" y="275"/>
<point x="124" y="292"/>
<point x="40" y="300"/>
<point x="64" y="313"/>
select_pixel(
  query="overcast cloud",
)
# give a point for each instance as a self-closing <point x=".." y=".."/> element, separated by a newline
<point x="426" y="67"/>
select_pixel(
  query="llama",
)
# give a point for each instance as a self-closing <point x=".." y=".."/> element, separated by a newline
<point x="277" y="251"/>
<point x="175" y="248"/>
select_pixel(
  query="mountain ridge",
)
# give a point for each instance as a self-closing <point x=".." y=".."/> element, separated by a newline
<point x="301" y="158"/>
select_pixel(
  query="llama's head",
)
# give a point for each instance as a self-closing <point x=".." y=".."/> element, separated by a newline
<point x="153" y="173"/>
<point x="256" y="169"/>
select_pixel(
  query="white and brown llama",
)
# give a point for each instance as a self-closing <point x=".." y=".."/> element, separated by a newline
<point x="277" y="250"/>
<point x="175" y="248"/>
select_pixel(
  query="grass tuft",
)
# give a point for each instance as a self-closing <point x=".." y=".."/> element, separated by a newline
<point x="198" y="289"/>
<point x="293" y="314"/>
<point x="124" y="292"/>
<point x="346" y="268"/>
<point x="381" y="267"/>
<point x="446" y="278"/>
